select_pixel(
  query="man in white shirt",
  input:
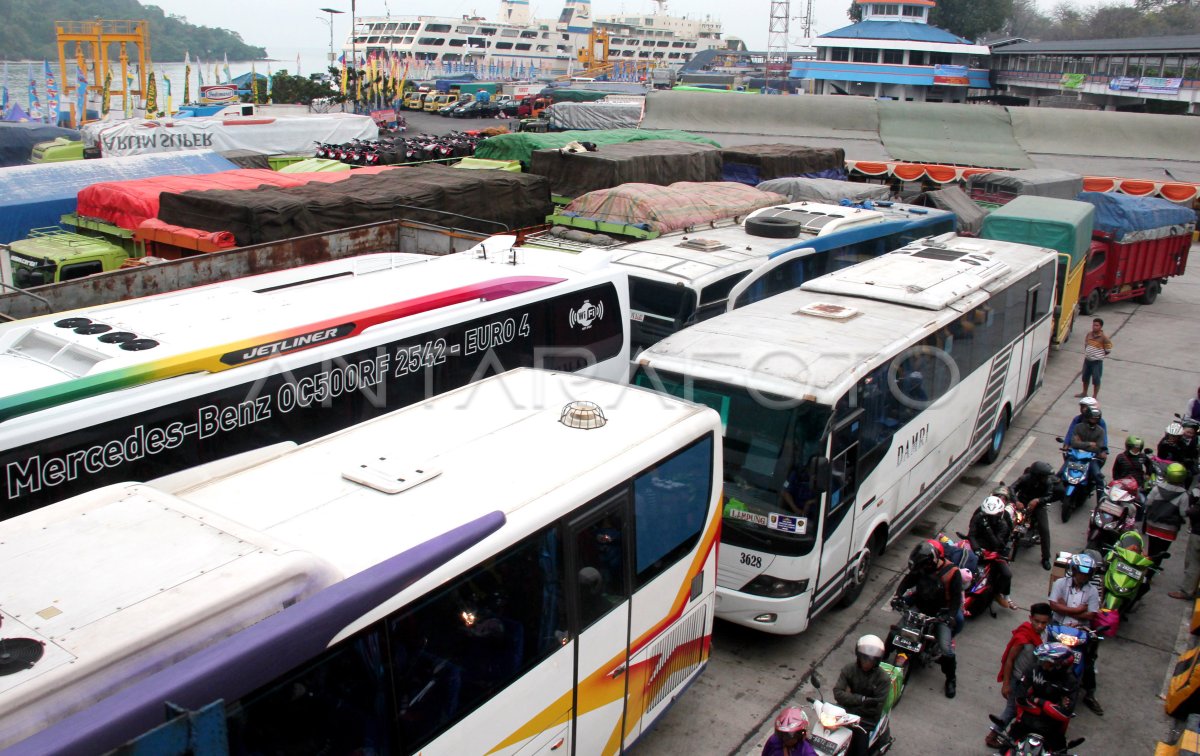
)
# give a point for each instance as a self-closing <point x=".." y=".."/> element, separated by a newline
<point x="1075" y="601"/>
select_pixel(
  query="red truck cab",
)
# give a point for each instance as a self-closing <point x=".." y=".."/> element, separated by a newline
<point x="1138" y="244"/>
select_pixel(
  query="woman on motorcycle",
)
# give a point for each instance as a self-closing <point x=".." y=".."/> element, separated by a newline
<point x="862" y="689"/>
<point x="791" y="735"/>
<point x="991" y="530"/>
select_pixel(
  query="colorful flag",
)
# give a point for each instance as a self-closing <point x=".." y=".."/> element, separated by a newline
<point x="228" y="76"/>
<point x="128" y="98"/>
<point x="199" y="73"/>
<point x="51" y="94"/>
<point x="268" y="82"/>
<point x="345" y="75"/>
<point x="4" y="93"/>
<point x="35" y="106"/>
<point x="106" y="95"/>
<point x="187" y="77"/>
<point x="297" y="65"/>
<point x="151" y="95"/>
<point x="167" y="80"/>
<point x="253" y="84"/>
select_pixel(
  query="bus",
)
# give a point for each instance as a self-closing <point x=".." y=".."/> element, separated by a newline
<point x="137" y="389"/>
<point x="686" y="277"/>
<point x="850" y="404"/>
<point x="526" y="564"/>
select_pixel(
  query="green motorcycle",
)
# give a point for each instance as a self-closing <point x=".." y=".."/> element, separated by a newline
<point x="1129" y="569"/>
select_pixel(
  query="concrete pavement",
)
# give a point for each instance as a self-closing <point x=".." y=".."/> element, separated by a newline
<point x="1153" y="371"/>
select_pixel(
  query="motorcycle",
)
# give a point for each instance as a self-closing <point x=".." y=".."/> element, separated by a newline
<point x="911" y="642"/>
<point x="1032" y="744"/>
<point x="978" y="593"/>
<point x="1025" y="533"/>
<point x="1115" y="513"/>
<point x="1077" y="639"/>
<point x="1076" y="479"/>
<point x="830" y="732"/>
<point x="1129" y="569"/>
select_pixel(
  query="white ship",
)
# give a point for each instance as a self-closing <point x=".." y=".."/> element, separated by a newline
<point x="537" y="47"/>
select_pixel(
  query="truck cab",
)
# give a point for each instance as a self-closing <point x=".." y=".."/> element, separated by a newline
<point x="52" y="255"/>
<point x="437" y="102"/>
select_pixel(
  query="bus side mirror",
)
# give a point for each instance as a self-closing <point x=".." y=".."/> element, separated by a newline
<point x="819" y="472"/>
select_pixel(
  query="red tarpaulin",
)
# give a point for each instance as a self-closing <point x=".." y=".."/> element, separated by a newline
<point x="127" y="203"/>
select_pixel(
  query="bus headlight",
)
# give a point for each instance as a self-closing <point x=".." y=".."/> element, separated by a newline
<point x="772" y="587"/>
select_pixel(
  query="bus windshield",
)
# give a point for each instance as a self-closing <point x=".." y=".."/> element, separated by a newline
<point x="769" y="502"/>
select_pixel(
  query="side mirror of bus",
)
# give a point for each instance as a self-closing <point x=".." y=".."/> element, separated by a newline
<point x="819" y="472"/>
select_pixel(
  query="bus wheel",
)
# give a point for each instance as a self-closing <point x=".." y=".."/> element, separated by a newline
<point x="998" y="433"/>
<point x="858" y="579"/>
<point x="1150" y="294"/>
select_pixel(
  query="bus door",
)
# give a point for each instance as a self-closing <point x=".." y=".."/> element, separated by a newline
<point x="1037" y="302"/>
<point x="837" y="526"/>
<point x="599" y="547"/>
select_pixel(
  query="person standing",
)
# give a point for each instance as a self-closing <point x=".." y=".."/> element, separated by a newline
<point x="1035" y="490"/>
<point x="1193" y="407"/>
<point x="1096" y="347"/>
<point x="1016" y="661"/>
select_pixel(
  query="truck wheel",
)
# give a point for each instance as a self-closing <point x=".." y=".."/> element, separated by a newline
<point x="1091" y="304"/>
<point x="1150" y="294"/>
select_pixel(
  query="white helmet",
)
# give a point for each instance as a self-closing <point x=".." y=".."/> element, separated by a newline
<point x="1174" y="429"/>
<point x="870" y="647"/>
<point x="992" y="505"/>
<point x="1088" y="401"/>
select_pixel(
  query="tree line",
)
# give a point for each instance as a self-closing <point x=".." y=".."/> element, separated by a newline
<point x="27" y="30"/>
<point x="983" y="20"/>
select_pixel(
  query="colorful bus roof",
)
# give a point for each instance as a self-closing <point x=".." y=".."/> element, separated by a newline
<point x="814" y="343"/>
<point x="68" y="356"/>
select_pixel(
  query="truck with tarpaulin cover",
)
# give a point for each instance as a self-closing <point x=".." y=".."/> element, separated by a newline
<point x="1137" y="244"/>
<point x="998" y="188"/>
<point x="1059" y="224"/>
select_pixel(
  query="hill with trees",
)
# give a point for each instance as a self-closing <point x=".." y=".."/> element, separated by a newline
<point x="27" y="30"/>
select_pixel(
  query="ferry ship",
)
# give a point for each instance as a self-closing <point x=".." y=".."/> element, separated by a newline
<point x="543" y="47"/>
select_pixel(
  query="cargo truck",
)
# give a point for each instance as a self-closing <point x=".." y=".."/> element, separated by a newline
<point x="1137" y="244"/>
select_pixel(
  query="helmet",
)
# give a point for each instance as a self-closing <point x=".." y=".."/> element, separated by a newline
<point x="1088" y="401"/>
<point x="992" y="505"/>
<point x="870" y="648"/>
<point x="792" y="720"/>
<point x="1092" y="413"/>
<point x="1041" y="467"/>
<point x="1175" y="429"/>
<point x="924" y="557"/>
<point x="1134" y="444"/>
<point x="1081" y="564"/>
<point x="1003" y="491"/>
<point x="1176" y="474"/>
<point x="1055" y="653"/>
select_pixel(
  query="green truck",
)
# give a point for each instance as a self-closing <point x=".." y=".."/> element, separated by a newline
<point x="57" y="150"/>
<point x="52" y="255"/>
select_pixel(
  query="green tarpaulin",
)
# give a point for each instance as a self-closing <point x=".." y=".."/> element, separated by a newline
<point x="520" y="146"/>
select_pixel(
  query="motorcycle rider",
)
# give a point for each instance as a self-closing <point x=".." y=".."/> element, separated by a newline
<point x="934" y="587"/>
<point x="1085" y="404"/>
<point x="862" y="689"/>
<point x="1016" y="661"/>
<point x="791" y="735"/>
<point x="1166" y="507"/>
<point x="1132" y="462"/>
<point x="1050" y="691"/>
<point x="991" y="530"/>
<point x="1035" y="490"/>
<point x="1075" y="601"/>
<point x="1174" y="447"/>
<point x="1089" y="436"/>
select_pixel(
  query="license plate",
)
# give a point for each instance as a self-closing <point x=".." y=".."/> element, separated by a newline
<point x="908" y="644"/>
<point x="1129" y="570"/>
<point x="821" y="745"/>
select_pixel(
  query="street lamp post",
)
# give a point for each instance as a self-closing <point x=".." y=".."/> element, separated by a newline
<point x="331" y="12"/>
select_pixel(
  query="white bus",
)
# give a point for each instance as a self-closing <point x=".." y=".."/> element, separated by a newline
<point x="523" y="565"/>
<point x="685" y="277"/>
<point x="136" y="389"/>
<point x="851" y="403"/>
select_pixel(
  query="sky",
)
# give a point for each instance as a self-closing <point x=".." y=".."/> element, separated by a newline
<point x="288" y="27"/>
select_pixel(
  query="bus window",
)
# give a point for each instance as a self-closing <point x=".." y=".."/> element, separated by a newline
<point x="714" y="297"/>
<point x="600" y="563"/>
<point x="844" y="469"/>
<point x="670" y="504"/>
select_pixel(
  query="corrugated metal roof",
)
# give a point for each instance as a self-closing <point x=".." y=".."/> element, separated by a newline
<point x="897" y="30"/>
<point x="1181" y="43"/>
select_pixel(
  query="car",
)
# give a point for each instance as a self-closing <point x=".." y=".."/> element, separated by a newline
<point x="477" y="109"/>
<point x="449" y="109"/>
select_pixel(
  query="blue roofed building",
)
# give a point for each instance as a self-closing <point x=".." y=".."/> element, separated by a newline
<point x="893" y="53"/>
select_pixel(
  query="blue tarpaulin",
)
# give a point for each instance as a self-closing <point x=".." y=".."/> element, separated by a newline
<point x="17" y="140"/>
<point x="34" y="196"/>
<point x="1121" y="214"/>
